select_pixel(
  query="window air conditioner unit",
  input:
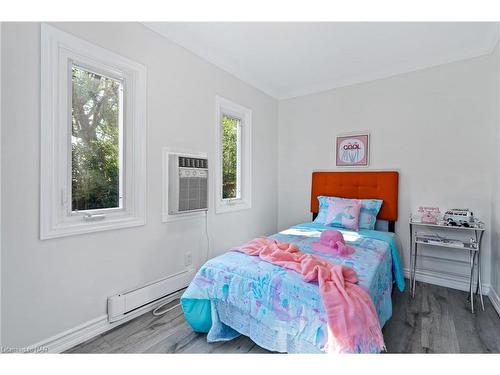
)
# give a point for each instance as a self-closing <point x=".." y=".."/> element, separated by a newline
<point x="187" y="184"/>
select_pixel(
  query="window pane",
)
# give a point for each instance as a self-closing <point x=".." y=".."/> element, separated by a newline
<point x="230" y="144"/>
<point x="95" y="141"/>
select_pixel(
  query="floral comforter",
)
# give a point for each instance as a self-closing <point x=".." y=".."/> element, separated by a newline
<point x="235" y="293"/>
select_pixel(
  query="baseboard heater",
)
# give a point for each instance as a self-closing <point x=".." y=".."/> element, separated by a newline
<point x="149" y="296"/>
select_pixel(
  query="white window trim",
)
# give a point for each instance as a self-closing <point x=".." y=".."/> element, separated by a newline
<point x="225" y="106"/>
<point x="58" y="49"/>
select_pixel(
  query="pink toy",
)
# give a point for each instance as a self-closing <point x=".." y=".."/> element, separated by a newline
<point x="429" y="214"/>
<point x="332" y="242"/>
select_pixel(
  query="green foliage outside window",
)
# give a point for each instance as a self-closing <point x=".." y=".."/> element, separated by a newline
<point x="95" y="141"/>
<point x="229" y="157"/>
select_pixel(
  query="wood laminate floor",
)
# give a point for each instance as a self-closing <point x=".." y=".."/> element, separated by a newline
<point x="438" y="320"/>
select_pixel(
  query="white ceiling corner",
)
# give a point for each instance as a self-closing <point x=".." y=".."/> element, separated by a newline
<point x="289" y="59"/>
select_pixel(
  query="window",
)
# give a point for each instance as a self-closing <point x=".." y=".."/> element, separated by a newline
<point x="93" y="138"/>
<point x="96" y="141"/>
<point x="233" y="165"/>
<point x="231" y="145"/>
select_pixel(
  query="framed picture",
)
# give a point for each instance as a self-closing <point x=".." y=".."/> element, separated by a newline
<point x="352" y="150"/>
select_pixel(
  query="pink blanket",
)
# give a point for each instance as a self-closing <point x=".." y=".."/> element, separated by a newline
<point x="353" y="325"/>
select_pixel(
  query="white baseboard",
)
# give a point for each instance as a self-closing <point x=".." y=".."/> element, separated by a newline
<point x="495" y="300"/>
<point x="74" y="336"/>
<point x="86" y="331"/>
<point x="449" y="280"/>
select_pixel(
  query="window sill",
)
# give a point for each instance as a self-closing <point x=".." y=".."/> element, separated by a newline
<point x="76" y="228"/>
<point x="224" y="207"/>
<point x="167" y="218"/>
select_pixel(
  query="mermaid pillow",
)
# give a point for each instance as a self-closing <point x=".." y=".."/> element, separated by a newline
<point x="323" y="209"/>
<point x="367" y="214"/>
<point x="344" y="214"/>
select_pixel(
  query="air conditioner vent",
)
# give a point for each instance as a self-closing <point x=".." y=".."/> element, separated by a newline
<point x="186" y="162"/>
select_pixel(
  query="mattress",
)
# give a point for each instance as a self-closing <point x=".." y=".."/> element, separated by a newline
<point x="235" y="293"/>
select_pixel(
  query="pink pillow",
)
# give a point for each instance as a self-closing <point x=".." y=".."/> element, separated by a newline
<point x="343" y="214"/>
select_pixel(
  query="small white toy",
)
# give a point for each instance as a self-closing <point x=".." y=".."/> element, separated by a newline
<point x="459" y="217"/>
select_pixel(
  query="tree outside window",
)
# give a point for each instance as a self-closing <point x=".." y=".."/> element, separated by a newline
<point x="95" y="141"/>
<point x="230" y="144"/>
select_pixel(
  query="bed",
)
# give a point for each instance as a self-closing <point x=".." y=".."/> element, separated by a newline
<point x="236" y="294"/>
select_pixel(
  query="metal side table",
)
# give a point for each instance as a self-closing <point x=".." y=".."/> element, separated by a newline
<point x="473" y="247"/>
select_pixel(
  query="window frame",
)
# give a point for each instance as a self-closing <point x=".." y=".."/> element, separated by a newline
<point x="61" y="51"/>
<point x="244" y="156"/>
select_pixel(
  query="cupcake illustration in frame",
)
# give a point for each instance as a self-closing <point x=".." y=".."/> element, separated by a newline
<point x="352" y="150"/>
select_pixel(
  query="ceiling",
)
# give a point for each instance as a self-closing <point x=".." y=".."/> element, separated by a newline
<point x="298" y="58"/>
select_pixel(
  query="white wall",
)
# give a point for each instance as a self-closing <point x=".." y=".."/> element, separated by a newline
<point x="0" y="183"/>
<point x="495" y="232"/>
<point x="435" y="126"/>
<point x="54" y="285"/>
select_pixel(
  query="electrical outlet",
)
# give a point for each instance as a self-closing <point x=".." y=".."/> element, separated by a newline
<point x="188" y="259"/>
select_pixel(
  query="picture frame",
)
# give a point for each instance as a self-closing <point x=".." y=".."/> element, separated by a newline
<point x="352" y="149"/>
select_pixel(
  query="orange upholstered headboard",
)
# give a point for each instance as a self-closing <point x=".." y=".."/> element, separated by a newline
<point x="362" y="185"/>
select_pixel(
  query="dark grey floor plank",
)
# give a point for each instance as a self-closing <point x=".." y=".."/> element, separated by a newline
<point x="402" y="333"/>
<point x="468" y="326"/>
<point x="256" y="349"/>
<point x="241" y="344"/>
<point x="480" y="332"/>
<point x="438" y="327"/>
<point x="437" y="320"/>
<point x="131" y="334"/>
<point x="182" y="337"/>
<point x="155" y="332"/>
